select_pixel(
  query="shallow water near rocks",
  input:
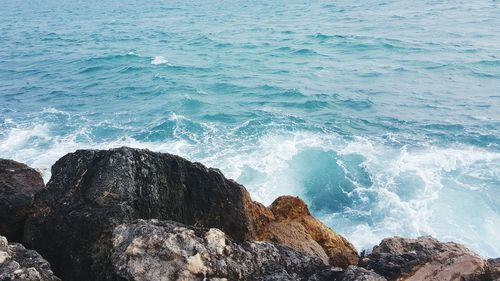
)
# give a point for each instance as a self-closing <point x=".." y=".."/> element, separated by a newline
<point x="383" y="115"/>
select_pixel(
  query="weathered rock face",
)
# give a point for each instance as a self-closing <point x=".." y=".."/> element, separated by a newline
<point x="352" y="273"/>
<point x="493" y="270"/>
<point x="289" y="222"/>
<point x="91" y="191"/>
<point x="424" y="258"/>
<point x="86" y="224"/>
<point x="165" y="250"/>
<point x="18" y="185"/>
<point x="18" y="263"/>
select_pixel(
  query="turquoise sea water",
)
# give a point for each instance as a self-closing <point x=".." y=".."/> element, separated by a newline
<point x="383" y="114"/>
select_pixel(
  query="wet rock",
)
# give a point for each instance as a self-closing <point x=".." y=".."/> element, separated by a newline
<point x="424" y="258"/>
<point x="18" y="263"/>
<point x="165" y="250"/>
<point x="92" y="191"/>
<point x="290" y="223"/>
<point x="18" y="185"/>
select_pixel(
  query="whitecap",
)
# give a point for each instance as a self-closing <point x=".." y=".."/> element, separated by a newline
<point x="264" y="164"/>
<point x="159" y="60"/>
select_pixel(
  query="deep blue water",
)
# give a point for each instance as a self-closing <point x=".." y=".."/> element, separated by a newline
<point x="383" y="114"/>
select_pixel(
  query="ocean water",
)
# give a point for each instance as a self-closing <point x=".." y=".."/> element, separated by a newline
<point x="384" y="115"/>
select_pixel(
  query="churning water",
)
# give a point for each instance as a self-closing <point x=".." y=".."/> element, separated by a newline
<point x="383" y="114"/>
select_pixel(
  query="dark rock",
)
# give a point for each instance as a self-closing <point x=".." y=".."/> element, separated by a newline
<point x="18" y="263"/>
<point x="91" y="191"/>
<point x="424" y="258"/>
<point x="85" y="223"/>
<point x="18" y="185"/>
<point x="164" y="250"/>
<point x="493" y="270"/>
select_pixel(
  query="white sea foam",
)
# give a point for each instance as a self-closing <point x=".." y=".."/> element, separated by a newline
<point x="436" y="209"/>
<point x="36" y="146"/>
<point x="263" y="164"/>
<point x="17" y="138"/>
<point x="406" y="215"/>
<point x="159" y="60"/>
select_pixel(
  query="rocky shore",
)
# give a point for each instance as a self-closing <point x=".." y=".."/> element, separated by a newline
<point x="131" y="214"/>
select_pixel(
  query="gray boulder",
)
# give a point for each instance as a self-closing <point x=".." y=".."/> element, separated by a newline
<point x="352" y="273"/>
<point x="19" y="264"/>
<point x="165" y="250"/>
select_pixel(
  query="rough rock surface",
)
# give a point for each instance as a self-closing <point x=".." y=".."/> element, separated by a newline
<point x="493" y="270"/>
<point x="91" y="191"/>
<point x="18" y="185"/>
<point x="18" y="263"/>
<point x="424" y="258"/>
<point x="290" y="223"/>
<point x="165" y="250"/>
<point x="352" y="273"/>
<point x="86" y="224"/>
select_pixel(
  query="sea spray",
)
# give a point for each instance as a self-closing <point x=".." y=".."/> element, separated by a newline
<point x="384" y="118"/>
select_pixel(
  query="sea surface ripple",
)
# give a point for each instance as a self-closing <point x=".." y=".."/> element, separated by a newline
<point x="383" y="114"/>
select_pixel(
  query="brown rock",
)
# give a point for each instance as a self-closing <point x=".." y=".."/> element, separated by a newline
<point x="296" y="236"/>
<point x="259" y="215"/>
<point x="18" y="185"/>
<point x="424" y="258"/>
<point x="288" y="208"/>
<point x="288" y="221"/>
